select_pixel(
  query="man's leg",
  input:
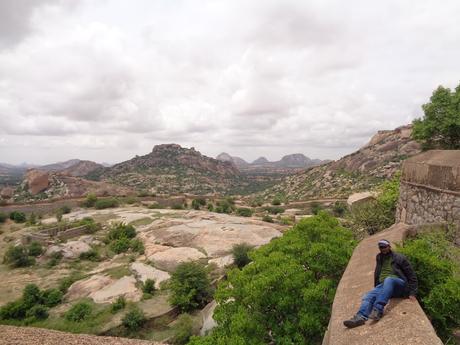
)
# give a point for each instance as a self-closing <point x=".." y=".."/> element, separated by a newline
<point x="391" y="287"/>
<point x="369" y="300"/>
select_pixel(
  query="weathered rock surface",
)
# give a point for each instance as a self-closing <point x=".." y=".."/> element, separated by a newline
<point x="360" y="198"/>
<point x="125" y="286"/>
<point x="85" y="287"/>
<point x="169" y="259"/>
<point x="6" y="193"/>
<point x="69" y="250"/>
<point x="208" y="321"/>
<point x="144" y="272"/>
<point x="37" y="181"/>
<point x="223" y="261"/>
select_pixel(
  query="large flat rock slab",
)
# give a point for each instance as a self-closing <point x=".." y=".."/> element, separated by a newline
<point x="88" y="286"/>
<point x="144" y="272"/>
<point x="404" y="321"/>
<point x="125" y="286"/>
<point x="169" y="259"/>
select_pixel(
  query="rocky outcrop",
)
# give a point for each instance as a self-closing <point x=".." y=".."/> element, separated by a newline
<point x="6" y="193"/>
<point x="144" y="272"/>
<point x="37" y="181"/>
<point x="174" y="169"/>
<point x="169" y="259"/>
<point x="125" y="286"/>
<point x="69" y="250"/>
<point x="360" y="171"/>
<point x="85" y="287"/>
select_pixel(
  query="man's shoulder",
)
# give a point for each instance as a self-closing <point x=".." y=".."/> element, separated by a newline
<point x="399" y="256"/>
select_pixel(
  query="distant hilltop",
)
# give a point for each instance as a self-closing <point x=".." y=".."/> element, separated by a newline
<point x="292" y="161"/>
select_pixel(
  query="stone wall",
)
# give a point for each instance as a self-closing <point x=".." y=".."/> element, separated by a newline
<point x="430" y="188"/>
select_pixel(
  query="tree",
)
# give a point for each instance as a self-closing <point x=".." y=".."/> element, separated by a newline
<point x="440" y="126"/>
<point x="190" y="286"/>
<point x="240" y="254"/>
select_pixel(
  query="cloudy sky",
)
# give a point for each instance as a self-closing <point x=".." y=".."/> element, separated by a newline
<point x="108" y="79"/>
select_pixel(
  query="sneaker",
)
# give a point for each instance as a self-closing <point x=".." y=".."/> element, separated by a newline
<point x="355" y="321"/>
<point x="376" y="314"/>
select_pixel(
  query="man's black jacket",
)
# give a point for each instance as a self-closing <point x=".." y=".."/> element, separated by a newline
<point x="402" y="268"/>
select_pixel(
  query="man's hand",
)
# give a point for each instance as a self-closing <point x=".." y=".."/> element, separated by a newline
<point x="412" y="298"/>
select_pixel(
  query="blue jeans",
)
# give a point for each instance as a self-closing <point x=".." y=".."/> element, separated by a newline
<point x="379" y="296"/>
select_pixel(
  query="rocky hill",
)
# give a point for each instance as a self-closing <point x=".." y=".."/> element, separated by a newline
<point x="294" y="161"/>
<point x="380" y="159"/>
<point x="73" y="167"/>
<point x="171" y="169"/>
<point x="39" y="185"/>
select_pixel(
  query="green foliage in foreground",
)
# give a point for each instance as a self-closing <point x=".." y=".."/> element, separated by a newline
<point x="79" y="312"/>
<point x="133" y="320"/>
<point x="285" y="295"/>
<point x="190" y="286"/>
<point x="440" y="126"/>
<point x="240" y="254"/>
<point x="377" y="215"/>
<point x="435" y="261"/>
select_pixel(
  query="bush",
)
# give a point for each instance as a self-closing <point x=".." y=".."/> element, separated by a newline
<point x="276" y="202"/>
<point x="134" y="320"/>
<point x="90" y="200"/>
<point x="177" y="207"/>
<point x="184" y="330"/>
<point x="190" y="286"/>
<point x="148" y="286"/>
<point x="15" y="310"/>
<point x="267" y="219"/>
<point x="154" y="205"/>
<point x="137" y="245"/>
<point x="315" y="208"/>
<point x="106" y="203"/>
<point x="65" y="209"/>
<point x="37" y="312"/>
<point x="131" y="200"/>
<point x="31" y="296"/>
<point x="244" y="212"/>
<point x="18" y="217"/>
<point x="91" y="255"/>
<point x="17" y="256"/>
<point x="121" y="231"/>
<point x="210" y="207"/>
<point x="35" y="249"/>
<point x="66" y="282"/>
<point x="79" y="312"/>
<point x="240" y="254"/>
<point x="3" y="217"/>
<point x="51" y="297"/>
<point x="119" y="304"/>
<point x="120" y="246"/>
<point x="274" y="209"/>
<point x="434" y="260"/>
<point x="285" y="295"/>
<point x="339" y="209"/>
<point x="198" y="203"/>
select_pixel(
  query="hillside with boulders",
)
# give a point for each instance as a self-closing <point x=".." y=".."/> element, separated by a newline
<point x="362" y="170"/>
<point x="171" y="169"/>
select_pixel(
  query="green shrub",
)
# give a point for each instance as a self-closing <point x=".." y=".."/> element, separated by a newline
<point x="244" y="212"/>
<point x="91" y="255"/>
<point x="121" y="230"/>
<point x="276" y="202"/>
<point x="210" y="207"/>
<point x="131" y="200"/>
<point x="190" y="286"/>
<point x="134" y="320"/>
<point x="35" y="249"/>
<point x="240" y="254"/>
<point x="137" y="245"/>
<point x="267" y="218"/>
<point x="66" y="282"/>
<point x="435" y="261"/>
<point x="37" y="312"/>
<point x="32" y="219"/>
<point x="51" y="297"/>
<point x="177" y="207"/>
<point x="315" y="207"/>
<point x="15" y="310"/>
<point x="148" y="286"/>
<point x="17" y="256"/>
<point x="18" y="217"/>
<point x="184" y="330"/>
<point x="198" y="203"/>
<point x="154" y="205"/>
<point x="31" y="295"/>
<point x="79" y="312"/>
<point x="285" y="295"/>
<point x="106" y="203"/>
<point x="90" y="200"/>
<point x="274" y="209"/>
<point x="371" y="216"/>
<point x="339" y="209"/>
<point x="65" y="209"/>
<point x="119" y="304"/>
<point x="3" y="217"/>
<point x="120" y="246"/>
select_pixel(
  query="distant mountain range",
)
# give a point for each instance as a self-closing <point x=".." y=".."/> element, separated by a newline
<point x="292" y="161"/>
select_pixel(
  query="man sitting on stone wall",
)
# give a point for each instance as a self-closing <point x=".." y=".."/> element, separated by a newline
<point x="393" y="277"/>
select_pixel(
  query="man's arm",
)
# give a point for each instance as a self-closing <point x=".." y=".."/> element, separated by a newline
<point x="409" y="272"/>
<point x="376" y="271"/>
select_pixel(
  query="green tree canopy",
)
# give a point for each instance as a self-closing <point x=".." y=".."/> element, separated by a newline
<point x="440" y="126"/>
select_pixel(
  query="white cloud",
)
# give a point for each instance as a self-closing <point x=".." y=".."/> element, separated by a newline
<point x="109" y="79"/>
